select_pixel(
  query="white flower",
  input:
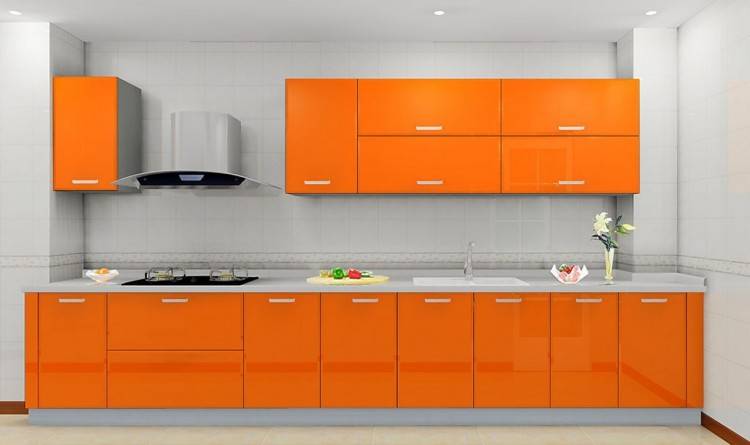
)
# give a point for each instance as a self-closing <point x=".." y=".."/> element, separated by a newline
<point x="601" y="222"/>
<point x="627" y="228"/>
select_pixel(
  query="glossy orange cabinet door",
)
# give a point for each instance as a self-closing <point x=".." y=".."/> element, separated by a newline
<point x="435" y="350"/>
<point x="429" y="107"/>
<point x="321" y="136"/>
<point x="429" y="165"/>
<point x="31" y="352"/>
<point x="358" y="346"/>
<point x="72" y="351"/>
<point x="652" y="350"/>
<point x="694" y="303"/>
<point x="570" y="165"/>
<point x="584" y="350"/>
<point x="592" y="107"/>
<point x="174" y="379"/>
<point x="169" y="321"/>
<point x="282" y="350"/>
<point x="511" y="350"/>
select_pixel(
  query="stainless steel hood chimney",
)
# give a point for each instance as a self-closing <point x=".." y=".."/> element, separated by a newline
<point x="205" y="154"/>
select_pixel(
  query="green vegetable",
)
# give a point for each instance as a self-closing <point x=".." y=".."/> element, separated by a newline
<point x="338" y="273"/>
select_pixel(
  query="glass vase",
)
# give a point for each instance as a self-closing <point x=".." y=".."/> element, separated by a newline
<point x="609" y="262"/>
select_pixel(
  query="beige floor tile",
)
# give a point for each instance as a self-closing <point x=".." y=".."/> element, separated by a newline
<point x="653" y="435"/>
<point x="697" y="435"/>
<point x="425" y="436"/>
<point x="319" y="436"/>
<point x="550" y="435"/>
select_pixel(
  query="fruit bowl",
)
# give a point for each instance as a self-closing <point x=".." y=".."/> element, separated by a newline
<point x="569" y="273"/>
<point x="102" y="275"/>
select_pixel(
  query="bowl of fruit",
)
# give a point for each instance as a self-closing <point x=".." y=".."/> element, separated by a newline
<point x="102" y="275"/>
<point x="569" y="273"/>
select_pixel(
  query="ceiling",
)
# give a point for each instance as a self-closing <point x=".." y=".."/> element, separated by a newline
<point x="331" y="20"/>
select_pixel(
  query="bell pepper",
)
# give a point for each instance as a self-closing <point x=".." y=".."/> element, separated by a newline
<point x="337" y="273"/>
<point x="354" y="274"/>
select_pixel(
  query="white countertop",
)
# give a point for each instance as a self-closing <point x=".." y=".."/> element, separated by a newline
<point x="272" y="280"/>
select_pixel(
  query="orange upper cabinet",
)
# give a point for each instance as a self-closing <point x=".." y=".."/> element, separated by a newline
<point x="570" y="165"/>
<point x="591" y="107"/>
<point x="72" y="351"/>
<point x="282" y="351"/>
<point x="584" y="350"/>
<point x="358" y="348"/>
<point x="511" y="350"/>
<point x="96" y="132"/>
<point x="435" y="351"/>
<point x="429" y="164"/>
<point x="321" y="136"/>
<point x="652" y="350"/>
<point x="455" y="107"/>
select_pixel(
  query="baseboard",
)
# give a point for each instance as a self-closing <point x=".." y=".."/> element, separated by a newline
<point x="12" y="407"/>
<point x="722" y="430"/>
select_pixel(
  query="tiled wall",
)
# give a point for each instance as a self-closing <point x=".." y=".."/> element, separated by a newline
<point x="266" y="228"/>
<point x="714" y="195"/>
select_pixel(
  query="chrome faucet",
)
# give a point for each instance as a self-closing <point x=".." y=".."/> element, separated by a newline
<point x="468" y="267"/>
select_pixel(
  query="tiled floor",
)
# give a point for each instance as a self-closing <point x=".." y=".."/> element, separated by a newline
<point x="15" y="431"/>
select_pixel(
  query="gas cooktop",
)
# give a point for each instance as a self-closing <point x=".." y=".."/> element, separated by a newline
<point x="176" y="276"/>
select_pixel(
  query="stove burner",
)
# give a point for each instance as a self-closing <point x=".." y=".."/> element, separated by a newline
<point x="176" y="276"/>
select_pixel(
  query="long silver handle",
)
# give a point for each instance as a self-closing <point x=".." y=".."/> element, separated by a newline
<point x="174" y="300"/>
<point x="654" y="300"/>
<point x="573" y="182"/>
<point x="71" y="300"/>
<point x="571" y="128"/>
<point x="429" y="127"/>
<point x="588" y="300"/>
<point x="318" y="182"/>
<point x="437" y="300"/>
<point x="429" y="182"/>
<point x="508" y="300"/>
<point x="282" y="300"/>
<point x="84" y="181"/>
<point x="365" y="300"/>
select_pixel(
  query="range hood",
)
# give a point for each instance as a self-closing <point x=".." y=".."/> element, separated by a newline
<point x="205" y="154"/>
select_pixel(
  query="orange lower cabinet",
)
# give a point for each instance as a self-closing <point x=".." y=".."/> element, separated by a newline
<point x="175" y="379"/>
<point x="511" y="350"/>
<point x="358" y="346"/>
<point x="282" y="350"/>
<point x="72" y="351"/>
<point x="694" y="350"/>
<point x="652" y="350"/>
<point x="31" y="310"/>
<point x="435" y="351"/>
<point x="584" y="350"/>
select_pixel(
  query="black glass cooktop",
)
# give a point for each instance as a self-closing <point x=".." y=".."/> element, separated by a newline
<point x="191" y="280"/>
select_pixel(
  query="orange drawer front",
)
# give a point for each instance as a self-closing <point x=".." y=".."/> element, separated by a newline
<point x="72" y="351"/>
<point x="653" y="350"/>
<point x="358" y="348"/>
<point x="511" y="350"/>
<point x="282" y="351"/>
<point x="570" y="165"/>
<point x="429" y="107"/>
<point x="435" y="351"/>
<point x="429" y="165"/>
<point x="162" y="321"/>
<point x="584" y="351"/>
<point x="174" y="379"/>
<point x="591" y="107"/>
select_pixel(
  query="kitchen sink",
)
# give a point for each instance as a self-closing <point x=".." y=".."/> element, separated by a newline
<point x="461" y="281"/>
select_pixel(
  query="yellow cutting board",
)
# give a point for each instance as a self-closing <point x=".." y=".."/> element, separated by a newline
<point x="375" y="279"/>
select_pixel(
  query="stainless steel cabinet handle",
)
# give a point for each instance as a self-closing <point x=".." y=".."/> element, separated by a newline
<point x="318" y="182"/>
<point x="84" y="181"/>
<point x="430" y="182"/>
<point x="588" y="300"/>
<point x="365" y="300"/>
<point x="282" y="300"/>
<point x="654" y="300"/>
<point x="508" y="300"/>
<point x="174" y="300"/>
<point x="572" y="182"/>
<point x="71" y="300"/>
<point x="437" y="300"/>
<point x="429" y="127"/>
<point x="571" y="128"/>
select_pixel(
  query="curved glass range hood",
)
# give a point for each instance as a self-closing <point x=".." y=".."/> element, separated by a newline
<point x="205" y="154"/>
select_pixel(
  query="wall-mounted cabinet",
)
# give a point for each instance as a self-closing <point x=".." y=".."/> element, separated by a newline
<point x="96" y="132"/>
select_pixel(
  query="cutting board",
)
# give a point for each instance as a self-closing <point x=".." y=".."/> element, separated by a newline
<point x="376" y="279"/>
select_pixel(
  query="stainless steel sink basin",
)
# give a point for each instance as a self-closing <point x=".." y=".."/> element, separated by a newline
<point x="476" y="281"/>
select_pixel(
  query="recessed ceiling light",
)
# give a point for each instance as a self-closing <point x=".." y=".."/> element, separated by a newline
<point x="14" y="12"/>
<point x="439" y="12"/>
<point x="651" y="12"/>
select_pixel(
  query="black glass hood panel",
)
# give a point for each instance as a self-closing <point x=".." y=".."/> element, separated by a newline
<point x="190" y="179"/>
